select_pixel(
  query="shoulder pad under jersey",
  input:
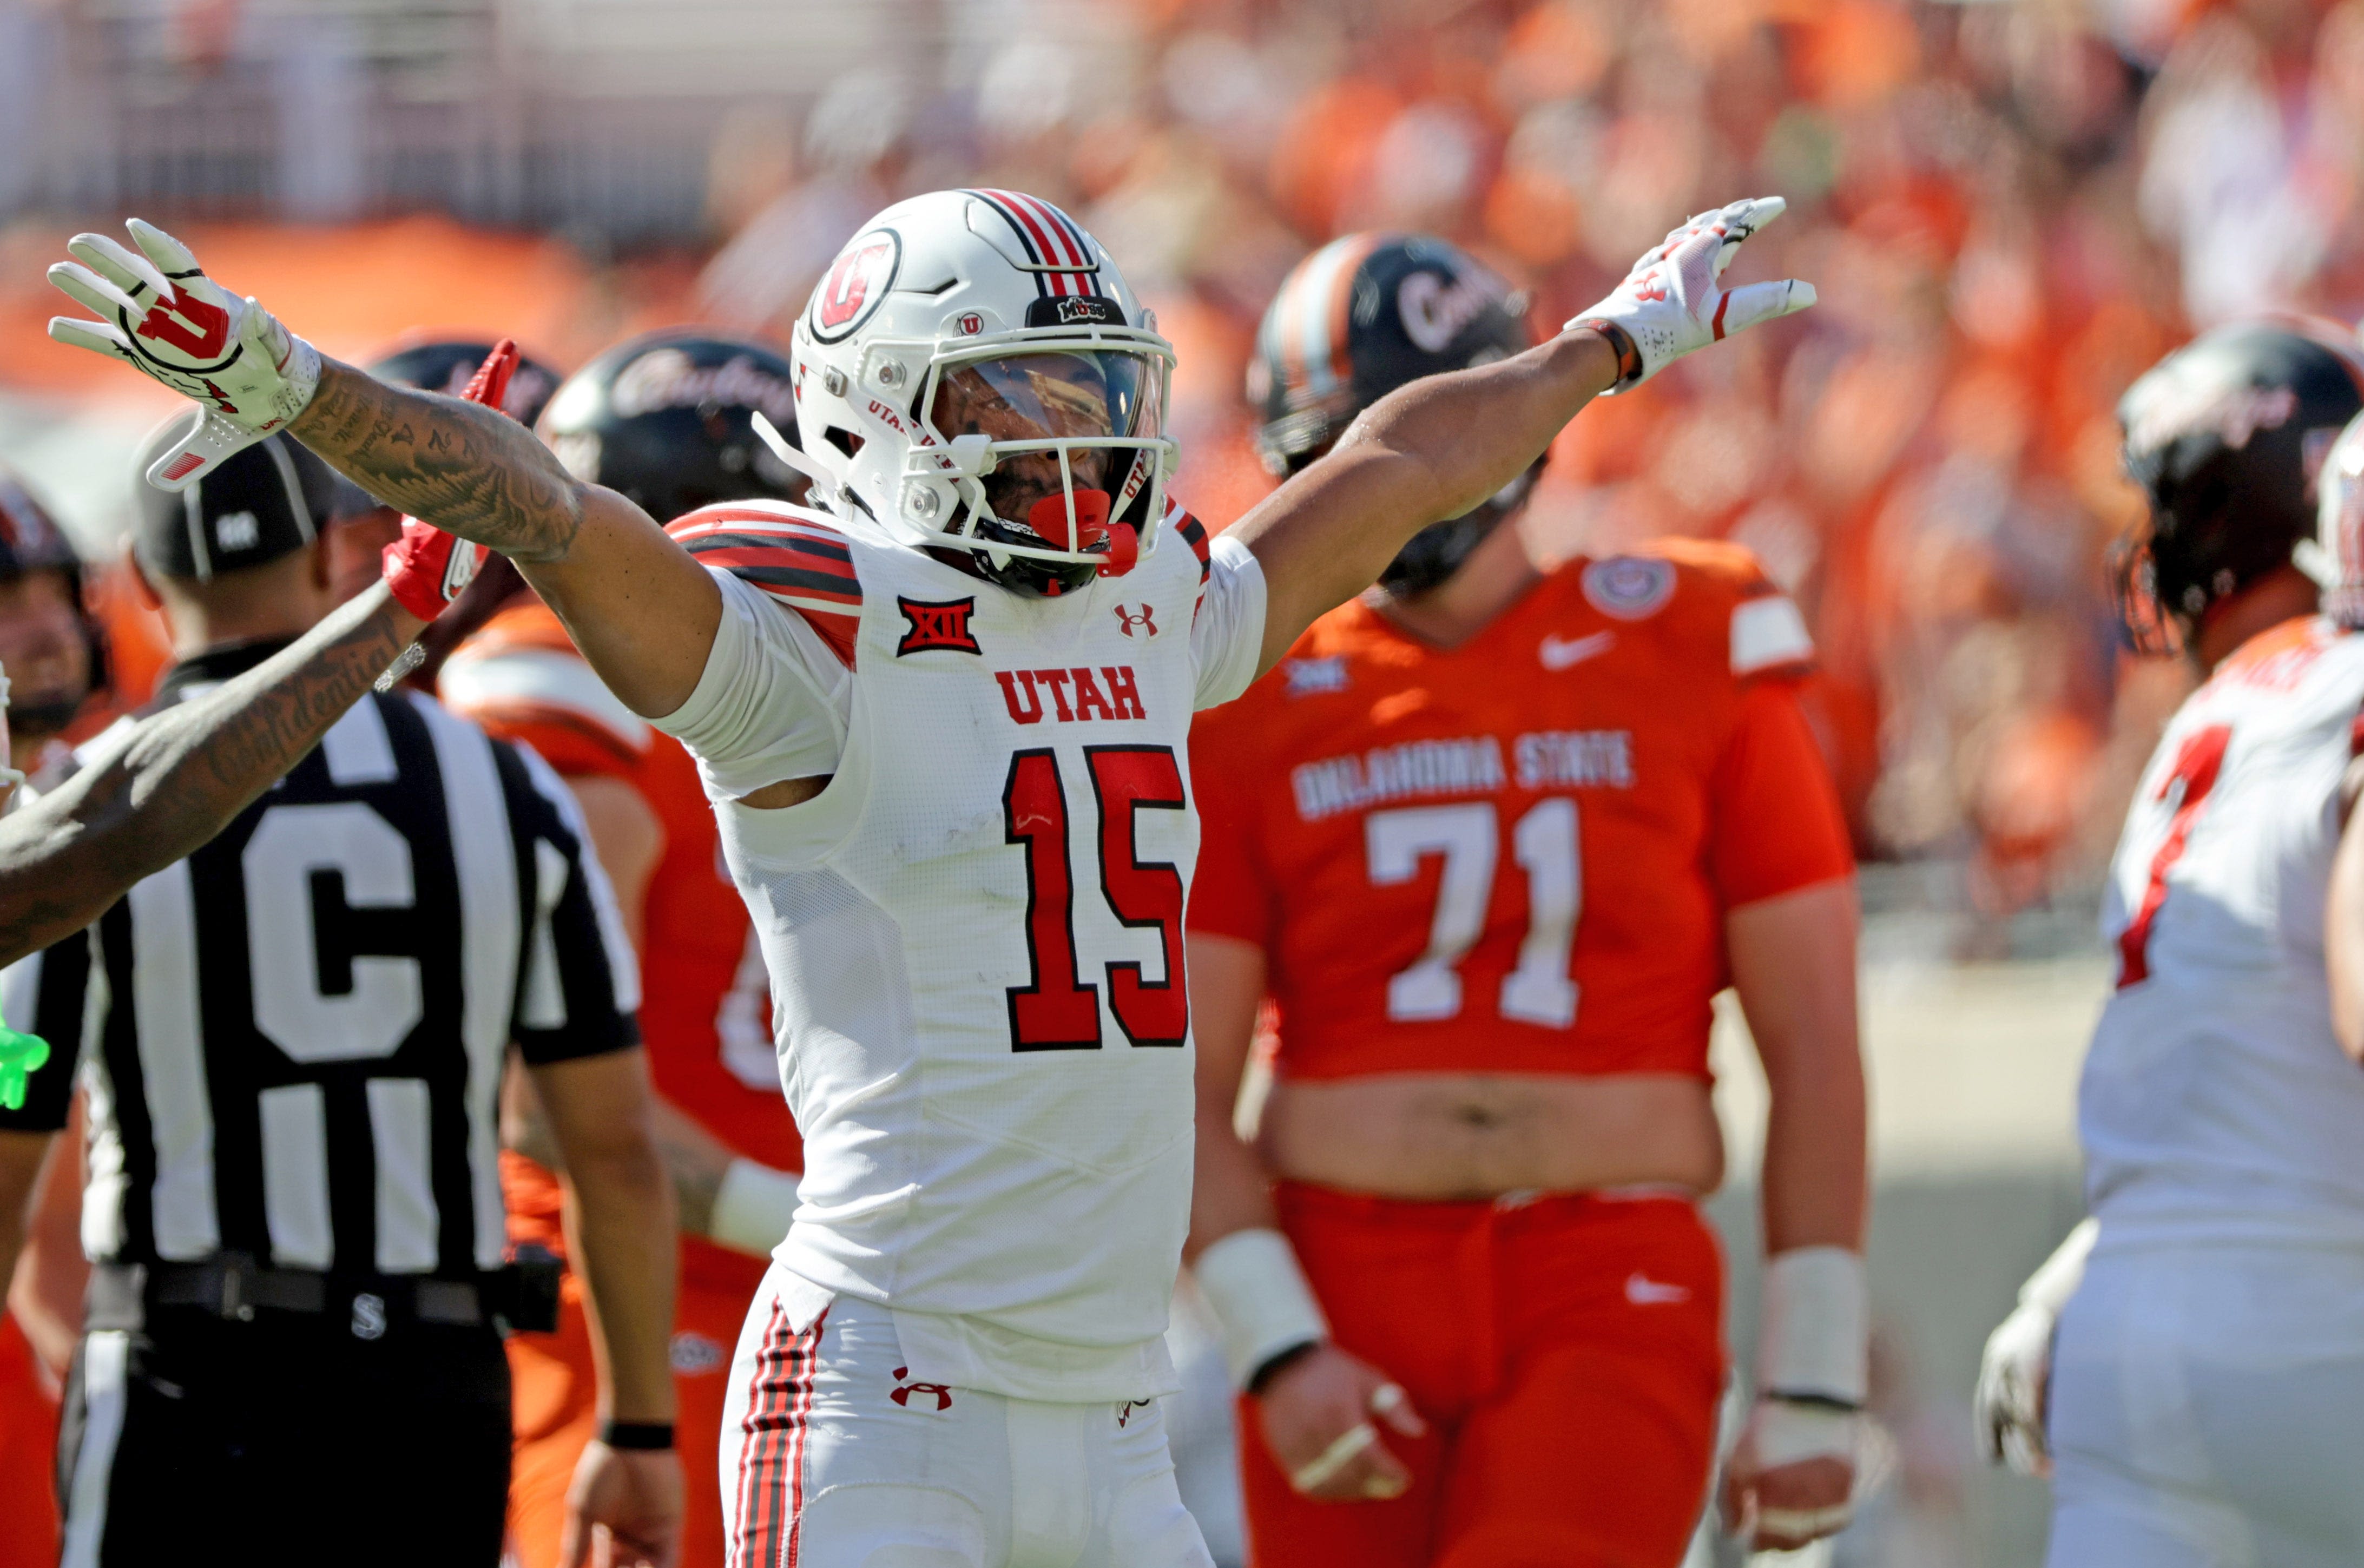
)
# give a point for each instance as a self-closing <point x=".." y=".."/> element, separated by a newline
<point x="798" y="556"/>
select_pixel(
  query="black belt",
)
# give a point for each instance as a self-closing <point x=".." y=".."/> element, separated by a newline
<point x="235" y="1287"/>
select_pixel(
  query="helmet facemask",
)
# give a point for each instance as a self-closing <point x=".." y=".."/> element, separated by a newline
<point x="1044" y="454"/>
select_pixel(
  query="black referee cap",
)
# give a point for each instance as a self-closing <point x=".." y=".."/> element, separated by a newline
<point x="268" y="500"/>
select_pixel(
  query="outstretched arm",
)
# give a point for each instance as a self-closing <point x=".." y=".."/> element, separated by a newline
<point x="181" y="775"/>
<point x="641" y="609"/>
<point x="1425" y="452"/>
<point x="1435" y="449"/>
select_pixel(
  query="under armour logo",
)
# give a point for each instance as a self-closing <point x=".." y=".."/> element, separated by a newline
<point x="1127" y="619"/>
<point x="369" y="1316"/>
<point x="903" y="1391"/>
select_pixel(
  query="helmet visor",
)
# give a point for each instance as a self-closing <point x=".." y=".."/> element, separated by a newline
<point x="1069" y="400"/>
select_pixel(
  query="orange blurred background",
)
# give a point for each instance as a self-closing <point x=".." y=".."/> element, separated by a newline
<point x="2009" y="209"/>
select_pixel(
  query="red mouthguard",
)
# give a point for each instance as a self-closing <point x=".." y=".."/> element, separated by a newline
<point x="1048" y="518"/>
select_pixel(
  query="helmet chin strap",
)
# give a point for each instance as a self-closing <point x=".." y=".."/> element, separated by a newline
<point x="770" y="436"/>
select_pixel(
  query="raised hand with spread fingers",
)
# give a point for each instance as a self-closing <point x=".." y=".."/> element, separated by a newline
<point x="1672" y="303"/>
<point x="160" y="313"/>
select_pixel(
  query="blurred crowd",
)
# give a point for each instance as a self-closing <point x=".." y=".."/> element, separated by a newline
<point x="2010" y="210"/>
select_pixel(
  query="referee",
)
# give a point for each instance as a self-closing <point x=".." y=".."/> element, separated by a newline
<point x="291" y="1045"/>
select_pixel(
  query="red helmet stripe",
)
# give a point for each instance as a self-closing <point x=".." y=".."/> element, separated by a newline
<point x="1040" y="245"/>
<point x="1064" y="230"/>
<point x="995" y="199"/>
<point x="1056" y="242"/>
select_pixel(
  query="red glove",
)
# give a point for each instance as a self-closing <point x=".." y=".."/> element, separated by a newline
<point x="428" y="568"/>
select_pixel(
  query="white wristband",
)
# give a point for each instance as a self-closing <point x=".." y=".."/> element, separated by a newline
<point x="2057" y="1277"/>
<point x="1252" y="1281"/>
<point x="1813" y="1332"/>
<point x="753" y="1208"/>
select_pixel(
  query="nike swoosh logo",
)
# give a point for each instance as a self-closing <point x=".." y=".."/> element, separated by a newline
<point x="1559" y="653"/>
<point x="1643" y="1291"/>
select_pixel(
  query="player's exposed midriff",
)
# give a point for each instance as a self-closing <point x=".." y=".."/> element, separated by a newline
<point x="1464" y="1135"/>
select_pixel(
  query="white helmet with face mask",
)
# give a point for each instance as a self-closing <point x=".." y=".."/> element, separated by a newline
<point x="972" y="373"/>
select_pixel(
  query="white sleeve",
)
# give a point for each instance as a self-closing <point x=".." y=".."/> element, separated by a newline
<point x="772" y="702"/>
<point x="1227" y="637"/>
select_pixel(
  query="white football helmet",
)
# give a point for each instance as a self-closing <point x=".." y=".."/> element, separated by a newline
<point x="972" y="372"/>
<point x="2336" y="561"/>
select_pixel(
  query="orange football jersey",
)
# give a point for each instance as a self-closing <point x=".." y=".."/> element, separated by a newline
<point x="706" y="1013"/>
<point x="1514" y="856"/>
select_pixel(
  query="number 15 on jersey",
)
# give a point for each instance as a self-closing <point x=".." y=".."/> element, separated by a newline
<point x="1058" y="1009"/>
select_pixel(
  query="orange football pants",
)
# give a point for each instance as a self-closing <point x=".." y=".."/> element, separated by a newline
<point x="1567" y="1353"/>
<point x="29" y="1453"/>
<point x="555" y="1394"/>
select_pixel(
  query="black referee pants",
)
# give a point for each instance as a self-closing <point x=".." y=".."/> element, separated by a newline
<point x="285" y="1439"/>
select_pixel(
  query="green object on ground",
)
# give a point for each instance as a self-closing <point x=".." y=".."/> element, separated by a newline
<point x="20" y="1055"/>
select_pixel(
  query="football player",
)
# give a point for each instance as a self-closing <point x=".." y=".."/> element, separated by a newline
<point x="54" y="656"/>
<point x="666" y="420"/>
<point x="1491" y="840"/>
<point x="2189" y="1366"/>
<point x="943" y="718"/>
<point x="54" y="651"/>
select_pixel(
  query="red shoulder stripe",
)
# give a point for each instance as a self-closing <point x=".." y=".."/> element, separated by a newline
<point x="1194" y="534"/>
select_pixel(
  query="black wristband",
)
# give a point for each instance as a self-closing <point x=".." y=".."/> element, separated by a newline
<point x="1813" y="1401"/>
<point x="1273" y="1366"/>
<point x="642" y="1436"/>
<point x="1620" y="343"/>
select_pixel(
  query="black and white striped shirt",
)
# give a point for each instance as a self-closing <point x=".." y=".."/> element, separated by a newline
<point x="291" y="1043"/>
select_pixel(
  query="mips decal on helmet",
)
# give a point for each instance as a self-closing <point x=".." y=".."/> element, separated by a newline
<point x="2225" y="437"/>
<point x="972" y="373"/>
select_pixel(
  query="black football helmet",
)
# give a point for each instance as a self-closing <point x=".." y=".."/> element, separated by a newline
<point x="446" y="364"/>
<point x="2225" y="436"/>
<point x="1358" y="319"/>
<point x="668" y="420"/>
<point x="32" y="542"/>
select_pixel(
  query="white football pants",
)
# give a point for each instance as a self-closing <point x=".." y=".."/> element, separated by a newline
<point x="833" y="1458"/>
<point x="2207" y="1411"/>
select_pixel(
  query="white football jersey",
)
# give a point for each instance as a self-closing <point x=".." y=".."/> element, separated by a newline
<point x="2216" y="1104"/>
<point x="975" y="933"/>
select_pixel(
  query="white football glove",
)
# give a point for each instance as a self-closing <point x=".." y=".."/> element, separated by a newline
<point x="1782" y="1433"/>
<point x="1669" y="305"/>
<point x="2015" y="1372"/>
<point x="161" y="315"/>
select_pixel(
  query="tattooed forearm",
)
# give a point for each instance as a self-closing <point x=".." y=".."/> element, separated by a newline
<point x="180" y="776"/>
<point x="467" y="469"/>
